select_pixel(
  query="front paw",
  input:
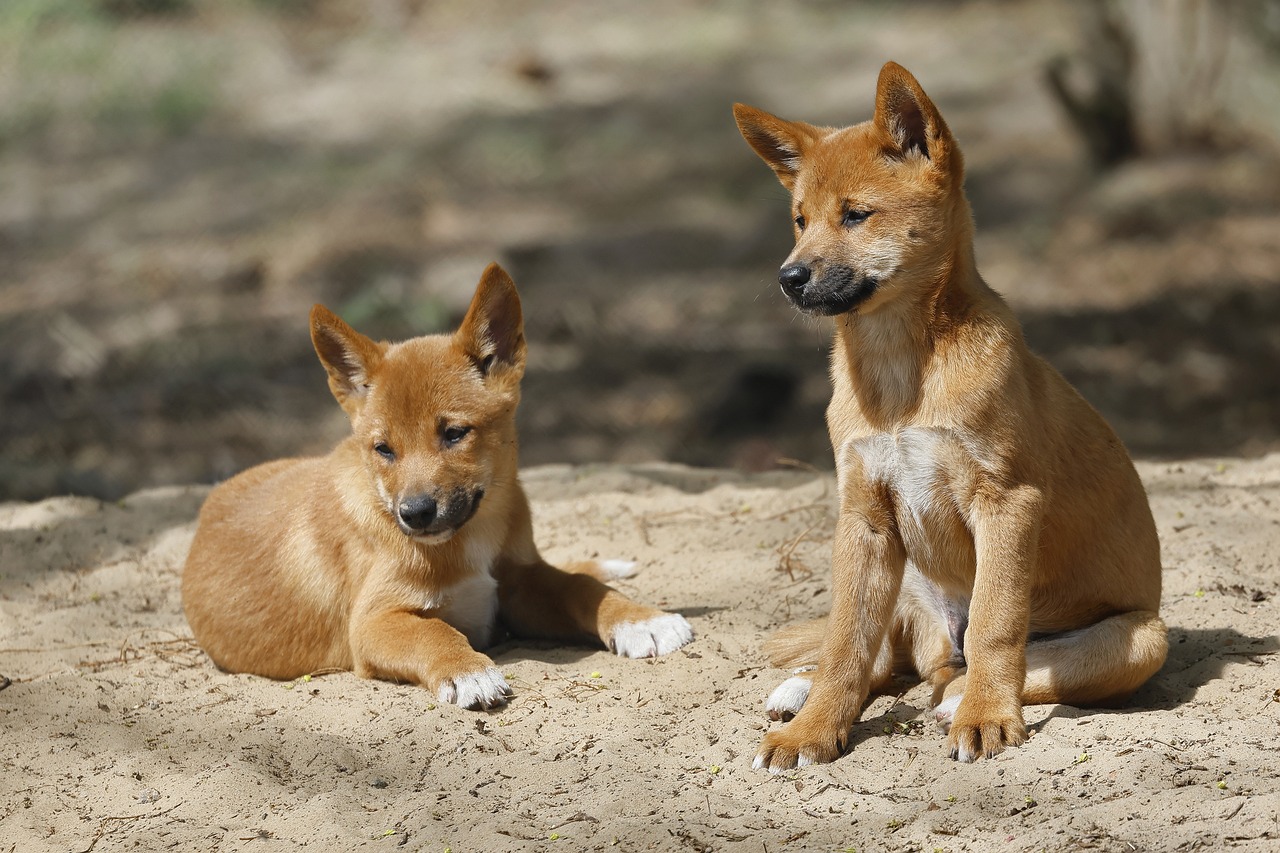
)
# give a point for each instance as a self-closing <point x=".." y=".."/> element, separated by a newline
<point x="794" y="746"/>
<point x="979" y="729"/>
<point x="476" y="691"/>
<point x="651" y="637"/>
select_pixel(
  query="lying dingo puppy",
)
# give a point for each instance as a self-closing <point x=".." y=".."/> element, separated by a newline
<point x="396" y="554"/>
<point x="992" y="532"/>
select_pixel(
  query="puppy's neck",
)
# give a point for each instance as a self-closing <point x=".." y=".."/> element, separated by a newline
<point x="885" y="356"/>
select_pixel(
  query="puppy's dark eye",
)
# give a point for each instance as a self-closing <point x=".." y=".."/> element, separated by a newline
<point x="385" y="451"/>
<point x="800" y="222"/>
<point x="853" y="217"/>
<point x="452" y="435"/>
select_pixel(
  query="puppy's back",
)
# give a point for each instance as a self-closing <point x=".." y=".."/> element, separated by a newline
<point x="1100" y="515"/>
<point x="262" y="588"/>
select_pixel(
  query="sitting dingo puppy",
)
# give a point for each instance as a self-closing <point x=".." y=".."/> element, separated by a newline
<point x="395" y="555"/>
<point x="992" y="531"/>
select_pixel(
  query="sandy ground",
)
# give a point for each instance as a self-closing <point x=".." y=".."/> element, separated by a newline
<point x="120" y="734"/>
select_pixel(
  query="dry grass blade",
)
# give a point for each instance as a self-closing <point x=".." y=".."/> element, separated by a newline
<point x="176" y="649"/>
<point x="118" y="821"/>
<point x="788" y="561"/>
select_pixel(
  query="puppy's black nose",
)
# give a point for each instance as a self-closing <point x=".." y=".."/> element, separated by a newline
<point x="793" y="278"/>
<point x="418" y="512"/>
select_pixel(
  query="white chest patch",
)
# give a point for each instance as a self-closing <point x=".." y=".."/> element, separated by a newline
<point x="916" y="465"/>
<point x="481" y="553"/>
<point x="471" y="604"/>
<point x="908" y="462"/>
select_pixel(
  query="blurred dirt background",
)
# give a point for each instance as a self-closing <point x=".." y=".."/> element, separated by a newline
<point x="181" y="180"/>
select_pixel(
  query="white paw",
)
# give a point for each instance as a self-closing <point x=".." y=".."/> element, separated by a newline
<point x="802" y="760"/>
<point x="612" y="570"/>
<point x="652" y="637"/>
<point x="476" y="690"/>
<point x="945" y="710"/>
<point x="788" y="698"/>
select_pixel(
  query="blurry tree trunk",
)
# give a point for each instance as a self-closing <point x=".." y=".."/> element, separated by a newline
<point x="1096" y="87"/>
<point x="1149" y="75"/>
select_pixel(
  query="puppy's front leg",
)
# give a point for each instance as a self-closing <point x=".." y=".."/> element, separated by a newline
<point x="1006" y="532"/>
<point x="538" y="600"/>
<point x="414" y="646"/>
<point x="866" y="574"/>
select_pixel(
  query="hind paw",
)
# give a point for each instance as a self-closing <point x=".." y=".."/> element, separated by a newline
<point x="788" y="698"/>
<point x="946" y="710"/>
<point x="652" y="637"/>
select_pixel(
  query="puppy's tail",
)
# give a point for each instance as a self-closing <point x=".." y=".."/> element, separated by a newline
<point x="796" y="645"/>
<point x="603" y="570"/>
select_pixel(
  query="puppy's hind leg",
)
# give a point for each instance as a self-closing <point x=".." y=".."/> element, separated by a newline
<point x="538" y="600"/>
<point x="1097" y="665"/>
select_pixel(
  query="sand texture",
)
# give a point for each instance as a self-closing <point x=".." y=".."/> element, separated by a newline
<point x="119" y="734"/>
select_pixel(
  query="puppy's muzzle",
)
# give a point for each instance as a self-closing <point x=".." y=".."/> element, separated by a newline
<point x="827" y="290"/>
<point x="423" y="515"/>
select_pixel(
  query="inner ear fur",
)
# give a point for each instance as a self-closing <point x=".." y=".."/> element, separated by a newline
<point x="348" y="357"/>
<point x="780" y="143"/>
<point x="492" y="333"/>
<point x="906" y="114"/>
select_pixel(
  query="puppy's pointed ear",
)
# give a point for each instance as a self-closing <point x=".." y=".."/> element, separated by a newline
<point x="492" y="333"/>
<point x="779" y="143"/>
<point x="909" y="117"/>
<point x="348" y="357"/>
